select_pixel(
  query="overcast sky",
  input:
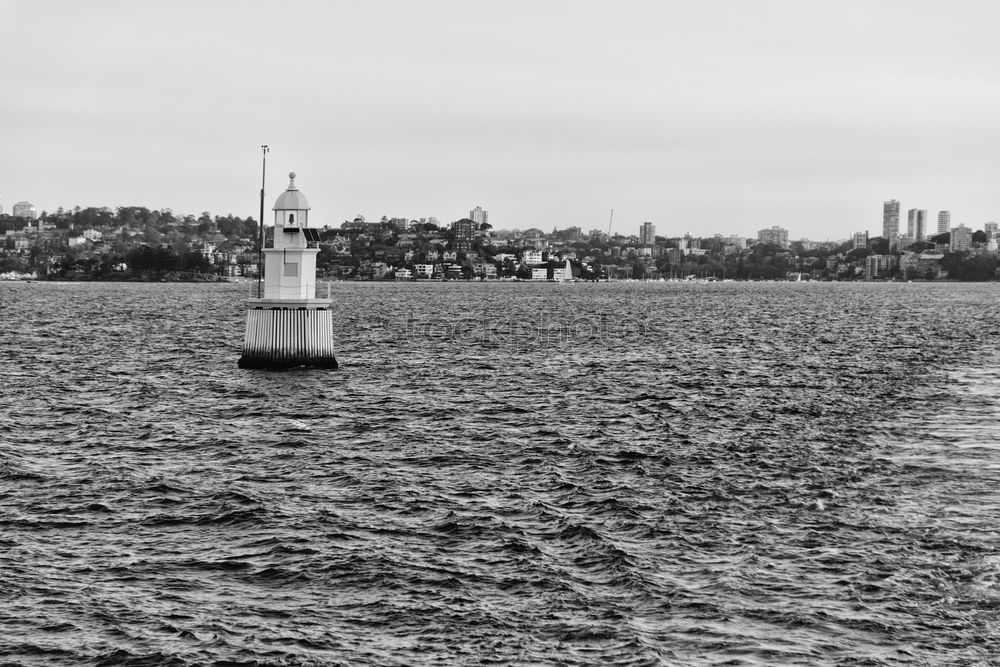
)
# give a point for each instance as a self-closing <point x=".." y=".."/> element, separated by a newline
<point x="705" y="117"/>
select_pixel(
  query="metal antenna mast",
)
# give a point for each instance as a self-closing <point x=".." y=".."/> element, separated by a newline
<point x="260" y="250"/>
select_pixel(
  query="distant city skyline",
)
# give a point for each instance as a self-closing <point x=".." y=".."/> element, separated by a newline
<point x="646" y="235"/>
<point x="723" y="116"/>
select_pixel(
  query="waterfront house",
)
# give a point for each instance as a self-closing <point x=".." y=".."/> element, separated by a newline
<point x="484" y="270"/>
<point x="531" y="257"/>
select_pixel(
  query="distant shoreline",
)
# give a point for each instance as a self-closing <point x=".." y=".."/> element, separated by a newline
<point x="168" y="277"/>
<point x="194" y="278"/>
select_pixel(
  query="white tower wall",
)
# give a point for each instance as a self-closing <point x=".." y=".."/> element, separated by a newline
<point x="294" y="274"/>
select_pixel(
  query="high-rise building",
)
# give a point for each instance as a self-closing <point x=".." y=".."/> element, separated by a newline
<point x="961" y="239"/>
<point x="860" y="240"/>
<point x="647" y="234"/>
<point x="890" y="219"/>
<point x="916" y="224"/>
<point x="991" y="231"/>
<point x="465" y="232"/>
<point x="23" y="209"/>
<point x="479" y="216"/>
<point x="944" y="222"/>
<point x="776" y="235"/>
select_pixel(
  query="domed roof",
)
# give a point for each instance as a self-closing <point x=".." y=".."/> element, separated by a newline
<point x="291" y="199"/>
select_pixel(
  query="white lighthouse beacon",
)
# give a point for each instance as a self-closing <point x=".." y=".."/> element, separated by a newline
<point x="287" y="326"/>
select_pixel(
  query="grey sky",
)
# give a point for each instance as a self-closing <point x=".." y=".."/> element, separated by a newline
<point x="704" y="117"/>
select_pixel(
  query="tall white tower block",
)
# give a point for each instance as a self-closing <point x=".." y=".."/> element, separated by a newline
<point x="287" y="326"/>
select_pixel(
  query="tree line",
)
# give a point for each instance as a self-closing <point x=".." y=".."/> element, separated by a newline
<point x="138" y="217"/>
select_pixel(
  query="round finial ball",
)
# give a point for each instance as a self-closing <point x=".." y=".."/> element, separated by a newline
<point x="291" y="175"/>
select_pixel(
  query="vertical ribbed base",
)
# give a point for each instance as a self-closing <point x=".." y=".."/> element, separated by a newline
<point x="278" y="338"/>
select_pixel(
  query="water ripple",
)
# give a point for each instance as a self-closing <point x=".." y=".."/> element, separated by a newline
<point x="620" y="474"/>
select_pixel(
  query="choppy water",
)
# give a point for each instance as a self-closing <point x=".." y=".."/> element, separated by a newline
<point x="615" y="474"/>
